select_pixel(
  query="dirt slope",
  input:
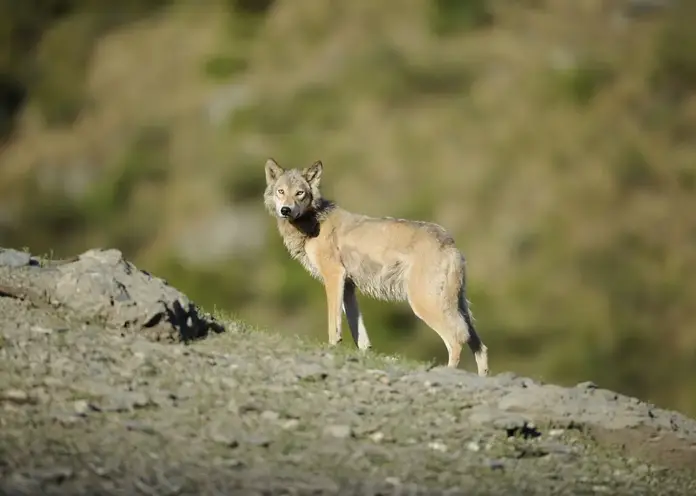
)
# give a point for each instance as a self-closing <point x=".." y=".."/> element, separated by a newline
<point x="103" y="388"/>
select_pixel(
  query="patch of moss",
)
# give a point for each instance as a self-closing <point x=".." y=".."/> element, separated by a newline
<point x="584" y="80"/>
<point x="456" y="16"/>
<point x="674" y="71"/>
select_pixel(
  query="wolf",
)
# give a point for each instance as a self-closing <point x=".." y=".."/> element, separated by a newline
<point x="387" y="258"/>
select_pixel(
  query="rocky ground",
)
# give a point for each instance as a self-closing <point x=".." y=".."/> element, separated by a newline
<point x="112" y="382"/>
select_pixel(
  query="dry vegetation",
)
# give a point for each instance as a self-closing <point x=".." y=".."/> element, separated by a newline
<point x="555" y="139"/>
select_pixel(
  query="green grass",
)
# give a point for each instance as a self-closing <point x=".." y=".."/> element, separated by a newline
<point x="223" y="67"/>
<point x="454" y="16"/>
<point x="584" y="80"/>
<point x="674" y="72"/>
<point x="346" y="351"/>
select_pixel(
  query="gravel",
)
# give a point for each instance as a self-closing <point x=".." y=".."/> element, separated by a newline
<point x="114" y="382"/>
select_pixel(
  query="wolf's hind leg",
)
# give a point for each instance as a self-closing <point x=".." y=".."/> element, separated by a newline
<point x="471" y="337"/>
<point x="448" y="315"/>
<point x="354" y="317"/>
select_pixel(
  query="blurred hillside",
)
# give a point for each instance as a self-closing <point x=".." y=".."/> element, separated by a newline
<point x="555" y="139"/>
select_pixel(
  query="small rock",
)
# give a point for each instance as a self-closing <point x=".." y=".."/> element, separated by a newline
<point x="496" y="465"/>
<point x="66" y="419"/>
<point x="270" y="415"/>
<point x="338" y="431"/>
<point x="473" y="446"/>
<point x="291" y="424"/>
<point x="16" y="396"/>
<point x="555" y="448"/>
<point x="233" y="406"/>
<point x="393" y="481"/>
<point x="248" y="408"/>
<point x="224" y="438"/>
<point x="232" y="463"/>
<point x="556" y="432"/>
<point x="311" y="373"/>
<point x="125" y="401"/>
<point x="41" y="330"/>
<point x="229" y="382"/>
<point x="586" y="385"/>
<point x="262" y="441"/>
<point x="437" y="446"/>
<point x="377" y="437"/>
<point x="52" y="382"/>
<point x="14" y="258"/>
<point x="510" y="422"/>
<point x="82" y="407"/>
<point x="140" y="427"/>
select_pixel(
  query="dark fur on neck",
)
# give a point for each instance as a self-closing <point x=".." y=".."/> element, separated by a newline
<point x="296" y="232"/>
<point x="308" y="225"/>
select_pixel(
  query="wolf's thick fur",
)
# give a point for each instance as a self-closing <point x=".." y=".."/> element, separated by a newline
<point x="386" y="258"/>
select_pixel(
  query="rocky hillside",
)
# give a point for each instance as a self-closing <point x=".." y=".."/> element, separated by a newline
<point x="114" y="382"/>
<point x="555" y="139"/>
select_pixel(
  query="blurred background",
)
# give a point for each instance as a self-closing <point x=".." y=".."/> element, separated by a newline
<point x="556" y="139"/>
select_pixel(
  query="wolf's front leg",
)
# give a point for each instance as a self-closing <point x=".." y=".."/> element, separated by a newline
<point x="355" y="319"/>
<point x="334" y="282"/>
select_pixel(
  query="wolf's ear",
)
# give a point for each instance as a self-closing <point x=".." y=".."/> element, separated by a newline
<point x="273" y="171"/>
<point x="313" y="173"/>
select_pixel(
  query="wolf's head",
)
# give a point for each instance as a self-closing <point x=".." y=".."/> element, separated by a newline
<point x="291" y="193"/>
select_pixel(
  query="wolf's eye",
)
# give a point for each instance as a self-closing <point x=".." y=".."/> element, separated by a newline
<point x="280" y="192"/>
<point x="300" y="194"/>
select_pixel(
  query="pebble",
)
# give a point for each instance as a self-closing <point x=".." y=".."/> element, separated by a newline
<point x="437" y="446"/>
<point x="14" y="258"/>
<point x="586" y="385"/>
<point x="140" y="427"/>
<point x="41" y="330"/>
<point x="393" y="481"/>
<point x="67" y="420"/>
<point x="311" y="373"/>
<point x="262" y="441"/>
<point x="82" y="407"/>
<point x="377" y="436"/>
<point x="270" y="415"/>
<point x="338" y="431"/>
<point x="125" y="401"/>
<point x="473" y="446"/>
<point x="290" y="424"/>
<point x="224" y="438"/>
<point x="232" y="463"/>
<point x="16" y="396"/>
<point x="52" y="382"/>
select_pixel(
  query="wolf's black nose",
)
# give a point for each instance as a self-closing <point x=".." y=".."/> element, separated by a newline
<point x="285" y="211"/>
